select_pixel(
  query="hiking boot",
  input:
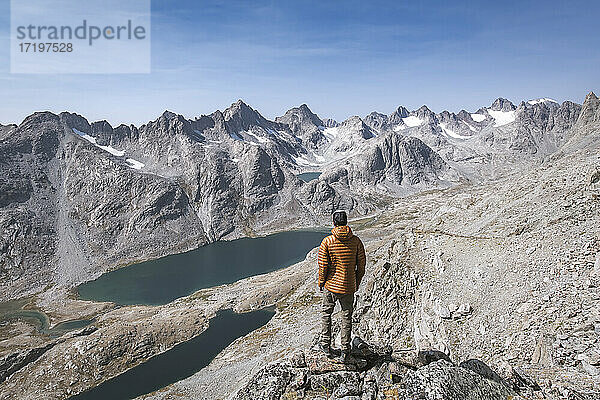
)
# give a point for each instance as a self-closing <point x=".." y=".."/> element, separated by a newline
<point x="344" y="357"/>
<point x="325" y="350"/>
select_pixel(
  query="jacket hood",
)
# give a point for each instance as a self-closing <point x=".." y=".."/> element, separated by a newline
<point x="342" y="232"/>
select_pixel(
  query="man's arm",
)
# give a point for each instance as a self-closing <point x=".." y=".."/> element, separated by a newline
<point x="361" y="260"/>
<point x="323" y="261"/>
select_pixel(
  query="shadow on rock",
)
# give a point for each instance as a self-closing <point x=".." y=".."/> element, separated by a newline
<point x="375" y="372"/>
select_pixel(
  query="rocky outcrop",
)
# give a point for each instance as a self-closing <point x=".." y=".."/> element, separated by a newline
<point x="372" y="375"/>
<point x="14" y="361"/>
<point x="377" y="121"/>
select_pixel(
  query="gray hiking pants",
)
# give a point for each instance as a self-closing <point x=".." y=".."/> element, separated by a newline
<point x="328" y="303"/>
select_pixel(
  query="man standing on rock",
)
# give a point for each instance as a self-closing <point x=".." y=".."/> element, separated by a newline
<point x="341" y="268"/>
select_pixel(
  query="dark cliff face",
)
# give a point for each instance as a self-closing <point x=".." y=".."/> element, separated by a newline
<point x="28" y="198"/>
<point x="396" y="116"/>
<point x="590" y="111"/>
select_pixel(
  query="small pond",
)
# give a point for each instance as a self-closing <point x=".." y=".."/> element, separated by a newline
<point x="308" y="176"/>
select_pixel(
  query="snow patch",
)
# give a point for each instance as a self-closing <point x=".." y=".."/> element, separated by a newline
<point x="259" y="139"/>
<point x="502" y="117"/>
<point x="478" y="117"/>
<point x="451" y="133"/>
<point x="92" y="140"/>
<point x="331" y="133"/>
<point x="471" y="127"/>
<point x="412" y="121"/>
<point x="302" y="160"/>
<point x="135" y="164"/>
<point x="320" y="159"/>
<point x="543" y="100"/>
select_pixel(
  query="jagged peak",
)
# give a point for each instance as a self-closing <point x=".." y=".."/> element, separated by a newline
<point x="376" y="120"/>
<point x="217" y="115"/>
<point x="239" y="105"/>
<point x="330" y="123"/>
<point x="502" y="104"/>
<point x="400" y="112"/>
<point x="304" y="112"/>
<point x="590" y="110"/>
<point x="590" y="100"/>
<point x="590" y="96"/>
<point x="353" y="120"/>
<point x="424" y="113"/>
<point x="464" y="114"/>
<point x="74" y="120"/>
<point x="168" y="114"/>
<point x="355" y="124"/>
<point x="241" y="110"/>
<point x="40" y="117"/>
<point x="101" y="126"/>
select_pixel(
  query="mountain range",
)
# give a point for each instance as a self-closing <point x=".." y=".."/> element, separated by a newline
<point x="79" y="198"/>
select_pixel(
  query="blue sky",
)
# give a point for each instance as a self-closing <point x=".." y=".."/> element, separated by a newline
<point x="342" y="58"/>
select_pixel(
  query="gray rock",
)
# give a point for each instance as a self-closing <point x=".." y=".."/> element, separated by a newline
<point x="443" y="381"/>
<point x="14" y="361"/>
<point x="318" y="363"/>
<point x="268" y="384"/>
<point x="339" y="383"/>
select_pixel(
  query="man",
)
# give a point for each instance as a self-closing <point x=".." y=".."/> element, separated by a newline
<point x="341" y="268"/>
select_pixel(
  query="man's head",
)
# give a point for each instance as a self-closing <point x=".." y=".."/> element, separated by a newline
<point x="340" y="218"/>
